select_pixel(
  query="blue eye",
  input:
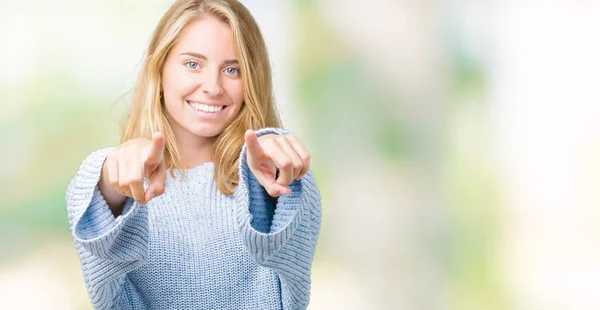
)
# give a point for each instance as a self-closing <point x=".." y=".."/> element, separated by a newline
<point x="192" y="64"/>
<point x="232" y="70"/>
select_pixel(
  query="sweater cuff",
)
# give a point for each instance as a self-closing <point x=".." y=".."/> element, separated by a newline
<point x="96" y="220"/>
<point x="98" y="224"/>
<point x="265" y="229"/>
<point x="93" y="225"/>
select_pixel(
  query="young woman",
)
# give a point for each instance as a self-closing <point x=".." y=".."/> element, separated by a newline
<point x="195" y="209"/>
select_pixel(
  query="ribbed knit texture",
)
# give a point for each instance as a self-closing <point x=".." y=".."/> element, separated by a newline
<point x="193" y="247"/>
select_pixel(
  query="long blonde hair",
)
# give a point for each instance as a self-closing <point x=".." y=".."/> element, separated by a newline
<point x="148" y="113"/>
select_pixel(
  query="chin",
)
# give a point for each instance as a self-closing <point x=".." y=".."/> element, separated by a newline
<point x="205" y="131"/>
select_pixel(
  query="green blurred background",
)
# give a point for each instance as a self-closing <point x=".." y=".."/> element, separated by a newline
<point x="455" y="143"/>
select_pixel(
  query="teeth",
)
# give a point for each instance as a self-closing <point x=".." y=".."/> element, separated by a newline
<point x="205" y="108"/>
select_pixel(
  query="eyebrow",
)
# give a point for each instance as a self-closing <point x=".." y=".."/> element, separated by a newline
<point x="226" y="62"/>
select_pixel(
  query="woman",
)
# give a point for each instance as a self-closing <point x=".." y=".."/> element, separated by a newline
<point x="196" y="210"/>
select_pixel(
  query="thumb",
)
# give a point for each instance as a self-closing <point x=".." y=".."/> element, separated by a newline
<point x="276" y="190"/>
<point x="157" y="182"/>
<point x="157" y="149"/>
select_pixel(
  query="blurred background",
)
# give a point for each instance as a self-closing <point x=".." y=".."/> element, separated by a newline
<point x="456" y="143"/>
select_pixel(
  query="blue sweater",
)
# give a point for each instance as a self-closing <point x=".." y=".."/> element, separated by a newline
<point x="193" y="247"/>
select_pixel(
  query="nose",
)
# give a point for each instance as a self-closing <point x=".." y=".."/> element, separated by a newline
<point x="211" y="85"/>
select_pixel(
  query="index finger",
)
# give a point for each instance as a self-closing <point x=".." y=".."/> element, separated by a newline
<point x="253" y="146"/>
<point x="157" y="148"/>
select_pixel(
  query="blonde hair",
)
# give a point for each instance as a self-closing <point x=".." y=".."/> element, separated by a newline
<point x="148" y="113"/>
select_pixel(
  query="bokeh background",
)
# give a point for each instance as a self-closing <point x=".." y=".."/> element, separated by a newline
<point x="456" y="143"/>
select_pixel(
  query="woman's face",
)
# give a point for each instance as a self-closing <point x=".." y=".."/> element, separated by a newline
<point x="201" y="80"/>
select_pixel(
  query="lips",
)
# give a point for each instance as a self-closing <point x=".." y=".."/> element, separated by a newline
<point x="206" y="107"/>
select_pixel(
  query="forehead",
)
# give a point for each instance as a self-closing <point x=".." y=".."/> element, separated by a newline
<point x="209" y="36"/>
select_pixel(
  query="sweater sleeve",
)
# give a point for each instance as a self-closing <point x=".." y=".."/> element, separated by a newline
<point x="108" y="247"/>
<point x="282" y="237"/>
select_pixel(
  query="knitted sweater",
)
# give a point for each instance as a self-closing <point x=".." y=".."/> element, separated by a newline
<point x="193" y="247"/>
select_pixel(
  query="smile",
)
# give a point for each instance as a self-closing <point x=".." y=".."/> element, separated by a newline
<point x="205" y="108"/>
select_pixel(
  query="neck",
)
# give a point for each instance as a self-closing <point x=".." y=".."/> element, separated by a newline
<point x="197" y="154"/>
<point x="194" y="150"/>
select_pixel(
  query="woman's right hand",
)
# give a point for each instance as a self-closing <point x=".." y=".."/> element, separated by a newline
<point x="124" y="170"/>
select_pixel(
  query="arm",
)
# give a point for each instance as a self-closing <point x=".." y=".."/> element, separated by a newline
<point x="282" y="238"/>
<point x="108" y="247"/>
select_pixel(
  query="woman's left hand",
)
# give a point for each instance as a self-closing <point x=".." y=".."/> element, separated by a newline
<point x="270" y="152"/>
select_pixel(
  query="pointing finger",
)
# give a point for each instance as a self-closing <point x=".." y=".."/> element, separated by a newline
<point x="157" y="148"/>
<point x="253" y="146"/>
